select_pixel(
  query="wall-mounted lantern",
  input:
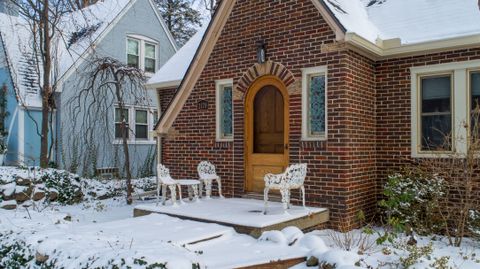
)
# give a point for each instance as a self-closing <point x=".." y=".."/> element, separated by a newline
<point x="261" y="52"/>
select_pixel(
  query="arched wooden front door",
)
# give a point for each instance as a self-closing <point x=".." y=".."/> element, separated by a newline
<point x="266" y="131"/>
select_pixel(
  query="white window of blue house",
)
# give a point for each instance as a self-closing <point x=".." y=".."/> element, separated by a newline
<point x="118" y="123"/>
<point x="314" y="103"/>
<point x="141" y="124"/>
<point x="224" y="109"/>
<point x="133" y="53"/>
<point x="142" y="53"/>
<point x="140" y="121"/>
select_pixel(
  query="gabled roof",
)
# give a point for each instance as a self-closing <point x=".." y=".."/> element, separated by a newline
<point x="81" y="30"/>
<point x="173" y="71"/>
<point x="377" y="28"/>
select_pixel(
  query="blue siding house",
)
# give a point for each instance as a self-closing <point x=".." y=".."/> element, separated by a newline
<point x="131" y="31"/>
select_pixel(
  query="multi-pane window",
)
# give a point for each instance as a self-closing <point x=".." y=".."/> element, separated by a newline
<point x="224" y="110"/>
<point x="142" y="54"/>
<point x="118" y="123"/>
<point x="444" y="99"/>
<point x="150" y="62"/>
<point x="141" y="124"/>
<point x="138" y="122"/>
<point x="436" y="112"/>
<point x="314" y="95"/>
<point x="133" y="53"/>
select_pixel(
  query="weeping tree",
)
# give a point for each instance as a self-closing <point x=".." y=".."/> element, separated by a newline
<point x="108" y="85"/>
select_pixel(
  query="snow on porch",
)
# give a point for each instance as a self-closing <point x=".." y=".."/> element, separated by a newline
<point x="244" y="215"/>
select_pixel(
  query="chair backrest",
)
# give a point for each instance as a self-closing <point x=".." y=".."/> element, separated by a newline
<point x="296" y="173"/>
<point x="163" y="174"/>
<point x="206" y="169"/>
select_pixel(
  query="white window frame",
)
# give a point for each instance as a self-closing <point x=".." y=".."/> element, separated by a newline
<point x="219" y="86"/>
<point x="141" y="61"/>
<point x="460" y="105"/>
<point x="306" y="74"/>
<point x="132" y="123"/>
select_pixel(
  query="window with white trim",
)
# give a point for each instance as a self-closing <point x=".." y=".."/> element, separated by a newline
<point x="119" y="130"/>
<point x="436" y="112"/>
<point x="314" y="103"/>
<point x="224" y="109"/>
<point x="142" y="53"/>
<point x="139" y="122"/>
<point x="443" y="98"/>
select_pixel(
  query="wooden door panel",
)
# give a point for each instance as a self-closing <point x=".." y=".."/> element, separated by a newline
<point x="266" y="132"/>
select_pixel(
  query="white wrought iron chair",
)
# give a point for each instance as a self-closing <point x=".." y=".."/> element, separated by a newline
<point x="207" y="174"/>
<point x="293" y="178"/>
<point x="164" y="180"/>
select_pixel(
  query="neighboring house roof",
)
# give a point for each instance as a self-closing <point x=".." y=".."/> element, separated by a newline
<point x="81" y="30"/>
<point x="173" y="71"/>
<point x="379" y="29"/>
<point x="413" y="21"/>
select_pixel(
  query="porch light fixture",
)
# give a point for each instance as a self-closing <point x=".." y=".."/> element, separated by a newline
<point x="261" y="52"/>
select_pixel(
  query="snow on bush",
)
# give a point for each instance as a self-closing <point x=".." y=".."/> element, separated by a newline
<point x="62" y="187"/>
<point x="412" y="200"/>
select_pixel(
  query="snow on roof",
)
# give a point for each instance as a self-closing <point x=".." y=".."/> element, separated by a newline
<point x="176" y="67"/>
<point x="80" y="29"/>
<point x="413" y="21"/>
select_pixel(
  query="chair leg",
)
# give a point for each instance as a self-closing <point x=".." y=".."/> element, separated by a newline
<point x="190" y="192"/>
<point x="219" y="183"/>
<point x="208" y="188"/>
<point x="302" y="188"/>
<point x="158" y="194"/>
<point x="195" y="192"/>
<point x="200" y="189"/>
<point x="265" y="200"/>
<point x="285" y="199"/>
<point x="180" y="193"/>
<point x="164" y="194"/>
<point x="173" y="192"/>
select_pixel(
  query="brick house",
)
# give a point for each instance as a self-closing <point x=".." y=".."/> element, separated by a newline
<point x="353" y="88"/>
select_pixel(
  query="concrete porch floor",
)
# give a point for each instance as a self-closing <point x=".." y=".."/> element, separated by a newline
<point x="244" y="215"/>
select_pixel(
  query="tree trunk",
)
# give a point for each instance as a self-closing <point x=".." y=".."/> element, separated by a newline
<point x="124" y="131"/>
<point x="46" y="94"/>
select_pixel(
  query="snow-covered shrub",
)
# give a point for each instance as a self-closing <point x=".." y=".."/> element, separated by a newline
<point x="415" y="253"/>
<point x="13" y="253"/>
<point x="412" y="201"/>
<point x="64" y="184"/>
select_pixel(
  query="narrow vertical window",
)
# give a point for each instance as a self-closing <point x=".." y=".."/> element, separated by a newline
<point x="436" y="113"/>
<point x="118" y="123"/>
<point x="141" y="124"/>
<point x="133" y="53"/>
<point x="314" y="105"/>
<point x="224" y="110"/>
<point x="316" y="101"/>
<point x="475" y="101"/>
<point x="150" y="62"/>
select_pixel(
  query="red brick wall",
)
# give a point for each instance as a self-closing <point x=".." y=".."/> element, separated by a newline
<point x="341" y="173"/>
<point x="165" y="96"/>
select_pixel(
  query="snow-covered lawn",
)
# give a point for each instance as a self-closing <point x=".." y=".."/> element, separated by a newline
<point x="83" y="237"/>
<point x="103" y="234"/>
